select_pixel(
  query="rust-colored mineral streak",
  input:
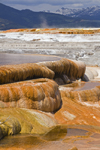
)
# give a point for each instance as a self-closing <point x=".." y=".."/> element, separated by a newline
<point x="13" y="73"/>
<point x="21" y="72"/>
<point x="73" y="69"/>
<point x="56" y="31"/>
<point x="41" y="94"/>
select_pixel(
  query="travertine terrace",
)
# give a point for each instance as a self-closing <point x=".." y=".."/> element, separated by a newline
<point x="57" y="30"/>
<point x="76" y="44"/>
<point x="13" y="73"/>
<point x="38" y="94"/>
<point x="41" y="94"/>
<point x="47" y="98"/>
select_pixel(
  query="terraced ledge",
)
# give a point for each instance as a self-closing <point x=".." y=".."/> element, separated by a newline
<point x="14" y="73"/>
<point x="66" y="70"/>
<point x="92" y="74"/>
<point x="18" y="99"/>
<point x="52" y="69"/>
<point x="41" y="94"/>
<point x="55" y="31"/>
<point x="24" y="121"/>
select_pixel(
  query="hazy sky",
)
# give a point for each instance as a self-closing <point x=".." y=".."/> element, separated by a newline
<point x="39" y="5"/>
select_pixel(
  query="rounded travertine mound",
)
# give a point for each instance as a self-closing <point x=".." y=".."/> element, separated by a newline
<point x="13" y="73"/>
<point x="81" y="68"/>
<point x="92" y="73"/>
<point x="88" y="92"/>
<point x="15" y="120"/>
<point x="73" y="69"/>
<point x="41" y="94"/>
<point x="92" y="95"/>
<point x="65" y="69"/>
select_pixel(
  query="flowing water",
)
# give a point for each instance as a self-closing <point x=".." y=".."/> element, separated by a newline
<point x="7" y="59"/>
<point x="81" y="86"/>
<point x="79" y="138"/>
<point x="88" y="86"/>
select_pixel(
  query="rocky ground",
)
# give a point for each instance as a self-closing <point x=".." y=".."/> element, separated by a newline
<point x="89" y="52"/>
<point x="77" y="44"/>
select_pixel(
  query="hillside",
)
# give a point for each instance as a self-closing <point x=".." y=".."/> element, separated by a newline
<point x="11" y="18"/>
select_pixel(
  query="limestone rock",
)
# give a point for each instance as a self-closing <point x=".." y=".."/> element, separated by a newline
<point x="10" y="126"/>
<point x="62" y="79"/>
<point x="88" y="75"/>
<point x="72" y="69"/>
<point x="65" y="79"/>
<point x="87" y="92"/>
<point x="92" y="74"/>
<point x="25" y="121"/>
<point x="59" y="81"/>
<point x="80" y="106"/>
<point x="41" y="94"/>
<point x="13" y="73"/>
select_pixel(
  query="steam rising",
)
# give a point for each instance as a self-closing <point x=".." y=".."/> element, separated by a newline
<point x="44" y="23"/>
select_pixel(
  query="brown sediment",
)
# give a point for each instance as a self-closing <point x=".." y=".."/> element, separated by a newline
<point x="56" y="31"/>
<point x="15" y="30"/>
<point x="15" y="120"/>
<point x="74" y="113"/>
<point x="13" y="73"/>
<point x="90" y="94"/>
<point x="68" y="67"/>
<point x="81" y="91"/>
<point x="80" y="105"/>
<point x="41" y="94"/>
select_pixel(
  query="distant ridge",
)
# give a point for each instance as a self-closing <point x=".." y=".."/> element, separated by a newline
<point x="11" y="18"/>
<point x="90" y="13"/>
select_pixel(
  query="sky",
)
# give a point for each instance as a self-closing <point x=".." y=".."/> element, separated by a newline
<point x="52" y="5"/>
